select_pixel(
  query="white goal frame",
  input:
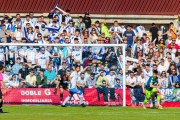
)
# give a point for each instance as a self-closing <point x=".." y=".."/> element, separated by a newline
<point x="70" y="45"/>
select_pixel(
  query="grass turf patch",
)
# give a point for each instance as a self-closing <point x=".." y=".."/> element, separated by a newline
<point x="41" y="112"/>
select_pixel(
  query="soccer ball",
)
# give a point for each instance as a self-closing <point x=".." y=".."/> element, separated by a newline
<point x="162" y="96"/>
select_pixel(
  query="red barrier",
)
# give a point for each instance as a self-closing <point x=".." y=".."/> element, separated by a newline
<point x="46" y="96"/>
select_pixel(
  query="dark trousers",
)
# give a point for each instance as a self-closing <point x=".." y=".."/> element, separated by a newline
<point x="103" y="90"/>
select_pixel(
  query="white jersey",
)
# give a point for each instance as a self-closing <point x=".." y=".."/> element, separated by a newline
<point x="22" y="52"/>
<point x="147" y="75"/>
<point x="72" y="39"/>
<point x="42" y="58"/>
<point x="77" y="55"/>
<point x="1" y="54"/>
<point x="31" y="55"/>
<point x="111" y="80"/>
<point x="74" y="77"/>
<point x="70" y="29"/>
<point x="141" y="30"/>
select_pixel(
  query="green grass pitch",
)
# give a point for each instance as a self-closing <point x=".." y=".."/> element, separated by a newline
<point x="41" y="112"/>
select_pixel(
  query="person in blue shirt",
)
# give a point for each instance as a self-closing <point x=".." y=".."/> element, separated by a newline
<point x="117" y="84"/>
<point x="130" y="35"/>
<point x="17" y="66"/>
<point x="51" y="75"/>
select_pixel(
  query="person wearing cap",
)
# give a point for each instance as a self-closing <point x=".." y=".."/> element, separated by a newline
<point x="104" y="29"/>
<point x="91" y="81"/>
<point x="30" y="33"/>
<point x="169" y="40"/>
<point x="87" y="20"/>
<point x="93" y="27"/>
<point x="154" y="33"/>
<point x="80" y="24"/>
<point x="7" y="77"/>
<point x="130" y="36"/>
<point x="19" y="34"/>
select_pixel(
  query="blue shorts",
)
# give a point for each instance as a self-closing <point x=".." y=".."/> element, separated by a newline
<point x="73" y="91"/>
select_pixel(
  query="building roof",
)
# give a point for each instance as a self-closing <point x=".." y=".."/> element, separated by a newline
<point x="148" y="7"/>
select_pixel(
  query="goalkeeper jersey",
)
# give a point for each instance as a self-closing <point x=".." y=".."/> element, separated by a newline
<point x="152" y="80"/>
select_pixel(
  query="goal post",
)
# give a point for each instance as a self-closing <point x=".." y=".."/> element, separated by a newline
<point x="115" y="46"/>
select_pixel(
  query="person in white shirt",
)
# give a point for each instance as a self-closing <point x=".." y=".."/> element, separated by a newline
<point x="147" y="72"/>
<point x="8" y="25"/>
<point x="178" y="39"/>
<point x="131" y="80"/>
<point x="67" y="18"/>
<point x="36" y="32"/>
<point x="70" y="29"/>
<point x="27" y="21"/>
<point x="40" y="40"/>
<point x="34" y="20"/>
<point x="2" y="52"/>
<point x="14" y="83"/>
<point x="161" y="67"/>
<point x="39" y="23"/>
<point x="7" y="77"/>
<point x="18" y="34"/>
<point x="31" y="54"/>
<point x="77" y="35"/>
<point x="140" y="30"/>
<point x="77" y="54"/>
<point x="42" y="59"/>
<point x="63" y="27"/>
<point x="123" y="28"/>
<point x="72" y="87"/>
<point x="115" y="28"/>
<point x="111" y="78"/>
<point x="141" y="79"/>
<point x="20" y="53"/>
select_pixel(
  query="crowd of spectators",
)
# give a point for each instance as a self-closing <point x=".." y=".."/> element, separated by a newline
<point x="40" y="66"/>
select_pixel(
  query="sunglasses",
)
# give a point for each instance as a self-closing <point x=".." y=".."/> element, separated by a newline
<point x="39" y="36"/>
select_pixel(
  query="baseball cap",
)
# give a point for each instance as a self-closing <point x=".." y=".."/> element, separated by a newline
<point x="86" y="13"/>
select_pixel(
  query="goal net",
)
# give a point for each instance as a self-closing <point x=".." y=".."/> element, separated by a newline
<point x="41" y="74"/>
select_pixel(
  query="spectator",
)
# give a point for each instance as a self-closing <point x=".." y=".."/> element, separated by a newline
<point x="41" y="80"/>
<point x="91" y="81"/>
<point x="100" y="77"/>
<point x="7" y="77"/>
<point x="161" y="66"/>
<point x="172" y="79"/>
<point x="17" y="66"/>
<point x="163" y="80"/>
<point x="14" y="83"/>
<point x="113" y="39"/>
<point x="154" y="33"/>
<point x="111" y="78"/>
<point x="30" y="81"/>
<point x="37" y="70"/>
<point x="172" y="30"/>
<point x="120" y="76"/>
<point x="104" y="29"/>
<point x="177" y="85"/>
<point x="89" y="61"/>
<point x="42" y="59"/>
<point x="117" y="85"/>
<point x="51" y="76"/>
<point x="80" y="25"/>
<point x="81" y="83"/>
<point x="131" y="80"/>
<point x="87" y="20"/>
<point x="23" y="72"/>
<point x="130" y="35"/>
<point x="141" y="80"/>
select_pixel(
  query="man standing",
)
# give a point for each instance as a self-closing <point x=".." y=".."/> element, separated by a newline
<point x="130" y="35"/>
<point x="87" y="20"/>
<point x="42" y="59"/>
<point x="154" y="32"/>
<point x="80" y="25"/>
<point x="104" y="29"/>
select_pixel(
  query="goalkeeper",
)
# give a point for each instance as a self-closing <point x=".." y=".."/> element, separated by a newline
<point x="152" y="87"/>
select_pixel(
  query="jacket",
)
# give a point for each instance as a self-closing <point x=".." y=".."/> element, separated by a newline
<point x="105" y="30"/>
<point x="81" y="26"/>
